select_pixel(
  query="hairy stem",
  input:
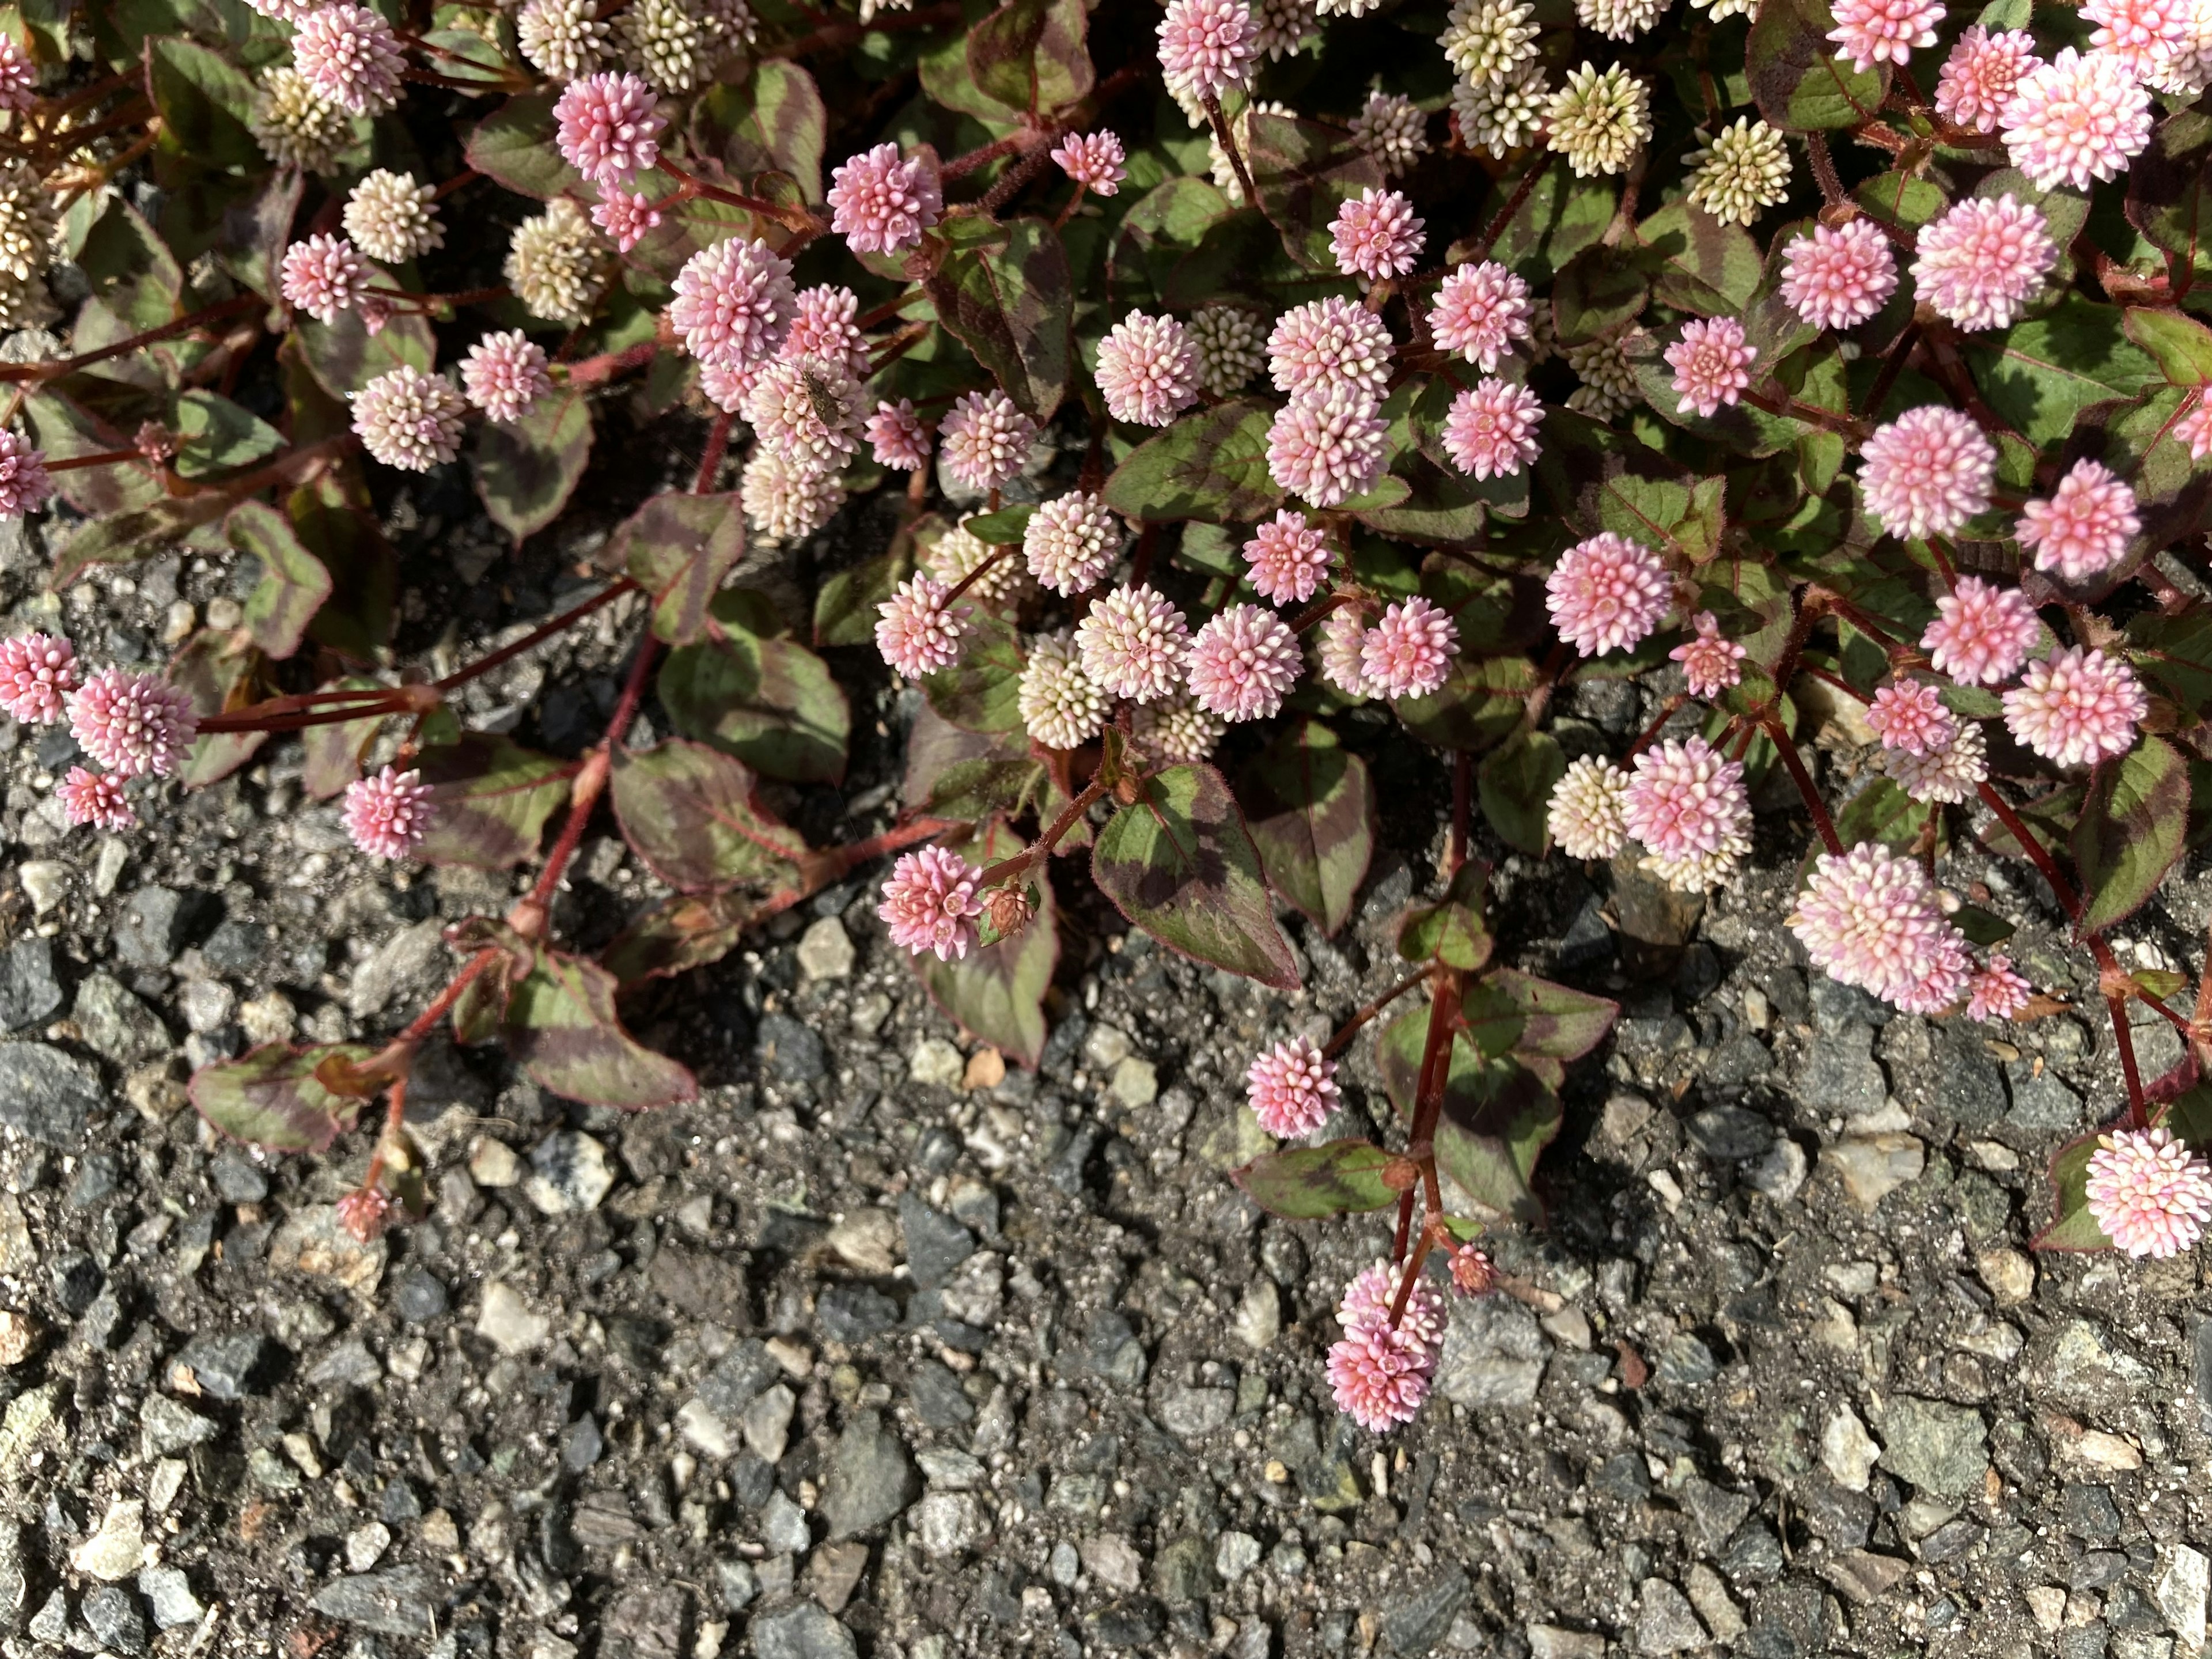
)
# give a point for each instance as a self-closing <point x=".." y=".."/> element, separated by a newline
<point x="1351" y="1028"/>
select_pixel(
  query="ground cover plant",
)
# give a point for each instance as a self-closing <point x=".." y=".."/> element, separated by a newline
<point x="1229" y="368"/>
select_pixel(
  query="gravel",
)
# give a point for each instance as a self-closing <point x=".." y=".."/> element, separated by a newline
<point x="885" y="1346"/>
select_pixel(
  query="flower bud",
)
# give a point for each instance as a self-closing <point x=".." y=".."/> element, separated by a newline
<point x="1009" y="910"/>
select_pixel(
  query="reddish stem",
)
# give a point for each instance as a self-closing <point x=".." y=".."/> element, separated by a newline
<point x="1351" y="1028"/>
<point x="1803" y="779"/>
<point x="536" y="636"/>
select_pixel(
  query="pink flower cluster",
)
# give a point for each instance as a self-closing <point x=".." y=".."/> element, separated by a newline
<point x="1243" y="663"/>
<point x="1380" y="1373"/>
<point x="1873" y="32"/>
<point x="880" y="203"/>
<point x="2084" y="528"/>
<point x="930" y="903"/>
<point x="2076" y="707"/>
<point x="1981" y="634"/>
<point x="1206" y="46"/>
<point x="322" y="275"/>
<point x="388" y="813"/>
<point x="917" y="635"/>
<point x="1870" y="918"/>
<point x="1288" y="558"/>
<point x="1710" y="663"/>
<point x="1606" y="593"/>
<point x="987" y="438"/>
<point x="1838" y="277"/>
<point x="1376" y="235"/>
<point x="25" y="484"/>
<point x="1909" y="715"/>
<point x="134" y="725"/>
<point x="1095" y="160"/>
<point x="1408" y="652"/>
<point x="1711" y="365"/>
<point x="37" y="672"/>
<point x="351" y="56"/>
<point x="1479" y="312"/>
<point x="2150" y="1194"/>
<point x="734" y="303"/>
<point x="1927" y="472"/>
<point x="1490" y="430"/>
<point x="1292" y="1089"/>
<point x="1687" y="804"/>
<point x="1147" y="369"/>
<point x="609" y="128"/>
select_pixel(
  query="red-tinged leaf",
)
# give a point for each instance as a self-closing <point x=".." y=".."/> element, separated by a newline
<point x="1004" y="291"/>
<point x="515" y="146"/>
<point x="1310" y="807"/>
<point x="138" y="533"/>
<point x="694" y="815"/>
<point x="1508" y="1012"/>
<point x="65" y="429"/>
<point x="205" y="102"/>
<point x="681" y="933"/>
<point x="2180" y="344"/>
<point x="2072" y="1226"/>
<point x="1884" y="813"/>
<point x="1481" y="703"/>
<point x="1498" y="1115"/>
<point x="562" y="1030"/>
<point x="936" y="749"/>
<point x="490" y="799"/>
<point x="1797" y="81"/>
<point x="293" y="584"/>
<point x="214" y="669"/>
<point x="996" y="992"/>
<point x="1701" y="264"/>
<point x="1451" y="931"/>
<point x="1212" y="465"/>
<point x="344" y="357"/>
<point x="2169" y="186"/>
<point x="1305" y="171"/>
<point x="1602" y="478"/>
<point x="1313" y="1183"/>
<point x="848" y="607"/>
<point x="334" y="753"/>
<point x="2134" y="823"/>
<point x="679" y="549"/>
<point x="1179" y="863"/>
<point x="1029" y="55"/>
<point x="270" y="1097"/>
<point x="1513" y="784"/>
<point x="770" y="701"/>
<point x="773" y="120"/>
<point x="982" y="692"/>
<point x="526" y="470"/>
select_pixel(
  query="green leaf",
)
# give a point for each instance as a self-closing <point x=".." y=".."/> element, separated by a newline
<point x="269" y="1097"/>
<point x="1211" y="465"/>
<point x="130" y="269"/>
<point x="1598" y="292"/>
<point x="772" y="121"/>
<point x="125" y="538"/>
<point x="2176" y="652"/>
<point x="1704" y="265"/>
<point x="1312" y="810"/>
<point x="562" y="1030"/>
<point x="1306" y="172"/>
<point x="2181" y="346"/>
<point x="526" y="470"/>
<point x="1508" y="1012"/>
<point x="357" y="619"/>
<point x="1497" y="1116"/>
<point x="490" y="798"/>
<point x="1029" y="55"/>
<point x="1514" y="783"/>
<point x="514" y="146"/>
<point x="1453" y="930"/>
<point x="981" y="692"/>
<point x="1004" y="292"/>
<point x="2072" y="1226"/>
<point x="1313" y="1183"/>
<point x="2169" y="196"/>
<point x="1003" y="528"/>
<point x="204" y="101"/>
<point x="682" y="932"/>
<point x="344" y="357"/>
<point x="1884" y="813"/>
<point x="333" y="753"/>
<point x="996" y="992"/>
<point x="2131" y="829"/>
<point x="694" y="816"/>
<point x="1562" y="216"/>
<point x="293" y="583"/>
<point x="214" y="668"/>
<point x="2039" y="376"/>
<point x="1179" y="863"/>
<point x="1481" y="703"/>
<point x="769" y="702"/>
<point x="1600" y="479"/>
<point x="1797" y="81"/>
<point x="218" y="435"/>
<point x="847" y="609"/>
<point x="679" y="548"/>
